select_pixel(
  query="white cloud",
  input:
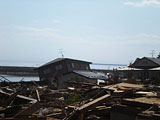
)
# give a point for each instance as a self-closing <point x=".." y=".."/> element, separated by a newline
<point x="149" y="36"/>
<point x="143" y="39"/>
<point x="143" y="3"/>
<point x="34" y="33"/>
<point x="91" y="28"/>
<point x="33" y="29"/>
<point x="38" y="33"/>
<point x="56" y="21"/>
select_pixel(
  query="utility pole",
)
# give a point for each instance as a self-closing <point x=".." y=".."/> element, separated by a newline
<point x="61" y="52"/>
<point x="153" y="53"/>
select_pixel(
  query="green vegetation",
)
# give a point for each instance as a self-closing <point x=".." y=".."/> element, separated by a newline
<point x="70" y="98"/>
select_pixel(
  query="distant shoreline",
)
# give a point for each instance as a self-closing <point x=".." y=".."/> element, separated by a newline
<point x="18" y="71"/>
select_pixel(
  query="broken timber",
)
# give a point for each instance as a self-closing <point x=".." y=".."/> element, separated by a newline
<point x="29" y="111"/>
<point x="93" y="103"/>
<point x="38" y="97"/>
<point x="80" y="110"/>
<point x="18" y="98"/>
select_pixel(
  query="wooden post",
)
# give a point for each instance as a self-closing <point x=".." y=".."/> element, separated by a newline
<point x="80" y="116"/>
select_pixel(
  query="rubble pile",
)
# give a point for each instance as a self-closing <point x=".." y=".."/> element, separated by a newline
<point x="122" y="101"/>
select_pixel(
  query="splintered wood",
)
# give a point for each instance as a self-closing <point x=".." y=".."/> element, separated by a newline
<point x="93" y="103"/>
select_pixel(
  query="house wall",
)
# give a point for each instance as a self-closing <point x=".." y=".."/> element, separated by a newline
<point x="77" y="65"/>
<point x="152" y="76"/>
<point x="52" y="70"/>
<point x="155" y="77"/>
<point x="130" y="74"/>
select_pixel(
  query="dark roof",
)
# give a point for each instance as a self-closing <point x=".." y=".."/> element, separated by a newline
<point x="91" y="75"/>
<point x="155" y="60"/>
<point x="61" y="59"/>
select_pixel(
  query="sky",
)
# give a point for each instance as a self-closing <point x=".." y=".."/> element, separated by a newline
<point x="99" y="31"/>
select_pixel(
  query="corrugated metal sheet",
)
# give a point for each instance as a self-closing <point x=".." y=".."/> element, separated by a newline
<point x="91" y="75"/>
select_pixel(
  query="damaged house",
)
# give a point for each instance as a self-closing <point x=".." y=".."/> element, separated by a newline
<point x="66" y="70"/>
<point x="145" y="68"/>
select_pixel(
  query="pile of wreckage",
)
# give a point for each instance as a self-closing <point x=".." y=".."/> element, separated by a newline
<point x="122" y="101"/>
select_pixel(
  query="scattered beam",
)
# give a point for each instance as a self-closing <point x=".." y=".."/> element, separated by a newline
<point x="29" y="111"/>
<point x="93" y="103"/>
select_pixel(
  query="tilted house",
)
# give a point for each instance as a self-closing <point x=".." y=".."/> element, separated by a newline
<point x="60" y="66"/>
<point x="65" y="70"/>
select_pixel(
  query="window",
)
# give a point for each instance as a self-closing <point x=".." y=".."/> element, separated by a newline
<point x="58" y="67"/>
<point x="80" y="66"/>
<point x="86" y="67"/>
<point x="46" y="71"/>
<point x="72" y="65"/>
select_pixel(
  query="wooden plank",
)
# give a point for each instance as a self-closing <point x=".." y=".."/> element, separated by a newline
<point x="80" y="110"/>
<point x="54" y="115"/>
<point x="93" y="103"/>
<point x="34" y="118"/>
<point x="29" y="111"/>
<point x="38" y="97"/>
<point x="19" y="96"/>
<point x="129" y="102"/>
